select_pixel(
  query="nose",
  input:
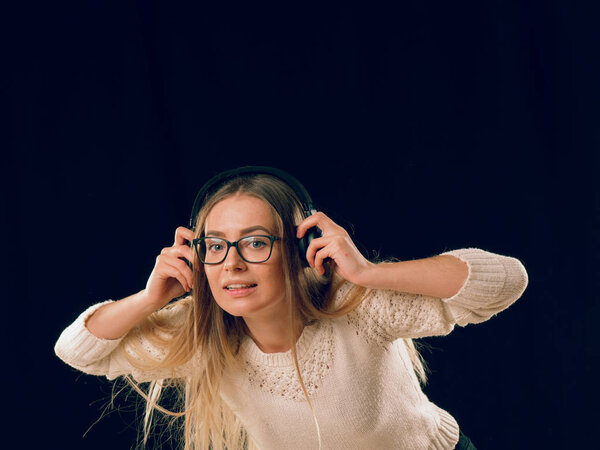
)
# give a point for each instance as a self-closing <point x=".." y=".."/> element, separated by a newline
<point x="233" y="261"/>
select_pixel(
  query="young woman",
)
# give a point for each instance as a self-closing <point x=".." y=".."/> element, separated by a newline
<point x="281" y="346"/>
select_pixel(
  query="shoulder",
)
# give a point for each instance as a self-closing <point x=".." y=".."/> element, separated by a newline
<point x="347" y="296"/>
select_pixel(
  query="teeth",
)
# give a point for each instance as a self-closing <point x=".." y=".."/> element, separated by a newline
<point x="239" y="286"/>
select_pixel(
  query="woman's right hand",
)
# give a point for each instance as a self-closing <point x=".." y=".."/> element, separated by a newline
<point x="171" y="276"/>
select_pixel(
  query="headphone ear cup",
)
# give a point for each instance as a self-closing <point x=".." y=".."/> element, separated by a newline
<point x="191" y="245"/>
<point x="304" y="242"/>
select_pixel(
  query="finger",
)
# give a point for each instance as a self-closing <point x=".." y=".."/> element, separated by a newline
<point x="320" y="256"/>
<point x="318" y="219"/>
<point x="186" y="253"/>
<point x="314" y="246"/>
<point x="181" y="251"/>
<point x="309" y="222"/>
<point x="183" y="234"/>
<point x="181" y="267"/>
<point x="167" y="266"/>
<point x="183" y="273"/>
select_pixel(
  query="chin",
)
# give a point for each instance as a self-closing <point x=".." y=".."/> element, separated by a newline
<point x="252" y="306"/>
<point x="239" y="307"/>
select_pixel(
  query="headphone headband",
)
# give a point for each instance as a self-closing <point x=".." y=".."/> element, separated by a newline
<point x="221" y="178"/>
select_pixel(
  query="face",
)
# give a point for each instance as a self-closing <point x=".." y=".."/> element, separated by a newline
<point x="245" y="289"/>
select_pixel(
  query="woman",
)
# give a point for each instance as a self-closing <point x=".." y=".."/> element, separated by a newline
<point x="281" y="346"/>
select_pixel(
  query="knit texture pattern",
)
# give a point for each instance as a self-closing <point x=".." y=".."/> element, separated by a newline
<point x="278" y="377"/>
<point x="356" y="368"/>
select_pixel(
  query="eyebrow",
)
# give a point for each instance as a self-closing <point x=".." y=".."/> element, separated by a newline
<point x="244" y="231"/>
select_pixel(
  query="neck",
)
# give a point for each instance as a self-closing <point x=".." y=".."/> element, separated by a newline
<point x="273" y="336"/>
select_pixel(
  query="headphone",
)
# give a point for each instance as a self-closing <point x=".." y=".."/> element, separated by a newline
<point x="218" y="180"/>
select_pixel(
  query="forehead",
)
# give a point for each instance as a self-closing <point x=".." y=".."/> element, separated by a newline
<point x="238" y="212"/>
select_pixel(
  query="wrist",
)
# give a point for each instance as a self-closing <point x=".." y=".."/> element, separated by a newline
<point x="369" y="275"/>
<point x="143" y="304"/>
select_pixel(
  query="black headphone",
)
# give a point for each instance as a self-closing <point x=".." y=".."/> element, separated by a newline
<point x="218" y="180"/>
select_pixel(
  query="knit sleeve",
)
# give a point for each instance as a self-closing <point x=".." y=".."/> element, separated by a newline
<point x="84" y="351"/>
<point x="493" y="284"/>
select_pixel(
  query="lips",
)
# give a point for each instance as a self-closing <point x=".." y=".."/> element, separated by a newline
<point x="237" y="283"/>
<point x="238" y="286"/>
<point x="237" y="289"/>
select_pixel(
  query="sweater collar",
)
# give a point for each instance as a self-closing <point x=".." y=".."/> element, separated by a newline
<point x="281" y="359"/>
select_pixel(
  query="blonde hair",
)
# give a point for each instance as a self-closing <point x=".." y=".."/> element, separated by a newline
<point x="208" y="338"/>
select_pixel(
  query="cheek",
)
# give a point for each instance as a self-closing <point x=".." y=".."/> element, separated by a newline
<point x="275" y="276"/>
<point x="212" y="276"/>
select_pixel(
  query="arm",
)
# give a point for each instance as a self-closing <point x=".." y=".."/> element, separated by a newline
<point x="494" y="282"/>
<point x="114" y="320"/>
<point x="81" y="349"/>
<point x="425" y="297"/>
<point x="92" y="342"/>
<point x="170" y="278"/>
<point x="439" y="276"/>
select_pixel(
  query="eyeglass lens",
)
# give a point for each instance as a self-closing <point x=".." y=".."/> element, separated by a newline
<point x="213" y="250"/>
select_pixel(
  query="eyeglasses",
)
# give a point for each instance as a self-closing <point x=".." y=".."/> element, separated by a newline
<point x="252" y="249"/>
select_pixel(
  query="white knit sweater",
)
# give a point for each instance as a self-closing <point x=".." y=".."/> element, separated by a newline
<point x="356" y="368"/>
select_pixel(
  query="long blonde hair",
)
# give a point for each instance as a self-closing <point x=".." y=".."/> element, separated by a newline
<point x="208" y="338"/>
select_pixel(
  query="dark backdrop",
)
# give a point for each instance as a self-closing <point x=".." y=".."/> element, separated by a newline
<point x="422" y="127"/>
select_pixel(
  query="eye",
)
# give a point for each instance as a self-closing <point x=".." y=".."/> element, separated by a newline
<point x="255" y="242"/>
<point x="214" y="246"/>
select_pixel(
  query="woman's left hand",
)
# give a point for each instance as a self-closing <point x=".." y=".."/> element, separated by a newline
<point x="336" y="244"/>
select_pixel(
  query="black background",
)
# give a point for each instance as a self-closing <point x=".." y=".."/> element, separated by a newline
<point x="422" y="127"/>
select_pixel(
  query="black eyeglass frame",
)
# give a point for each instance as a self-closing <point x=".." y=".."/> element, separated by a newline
<point x="196" y="241"/>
